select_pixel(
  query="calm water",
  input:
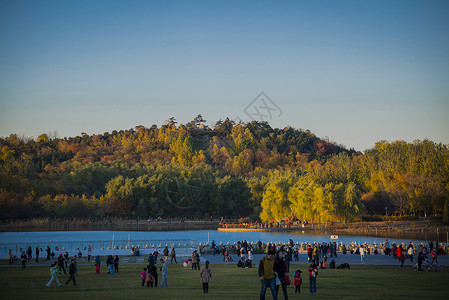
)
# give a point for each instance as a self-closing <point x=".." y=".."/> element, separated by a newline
<point x="202" y="236"/>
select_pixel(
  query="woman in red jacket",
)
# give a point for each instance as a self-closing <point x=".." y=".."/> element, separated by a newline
<point x="313" y="273"/>
<point x="401" y="257"/>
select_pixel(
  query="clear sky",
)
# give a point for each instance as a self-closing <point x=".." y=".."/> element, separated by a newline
<point x="354" y="71"/>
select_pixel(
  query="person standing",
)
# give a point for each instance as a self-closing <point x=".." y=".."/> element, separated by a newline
<point x="24" y="258"/>
<point x="164" y="270"/>
<point x="195" y="261"/>
<point x="313" y="273"/>
<point x="173" y="256"/>
<point x="75" y="263"/>
<point x="298" y="281"/>
<point x="153" y="271"/>
<point x="53" y="272"/>
<point x="434" y="255"/>
<point x="206" y="274"/>
<point x="151" y="260"/>
<point x="111" y="263"/>
<point x="266" y="273"/>
<point x="309" y="252"/>
<point x="410" y="252"/>
<point x="143" y="274"/>
<point x="116" y="259"/>
<point x="420" y="260"/>
<point x="29" y="253"/>
<point x="48" y="253"/>
<point x="165" y="251"/>
<point x="400" y="254"/>
<point x="37" y="254"/>
<point x="387" y="247"/>
<point x="97" y="265"/>
<point x="72" y="269"/>
<point x="362" y="255"/>
<point x="281" y="268"/>
<point x="66" y="259"/>
<point x="10" y="257"/>
<point x="89" y="253"/>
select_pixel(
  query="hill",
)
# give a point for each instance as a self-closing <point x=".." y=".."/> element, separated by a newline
<point x="228" y="170"/>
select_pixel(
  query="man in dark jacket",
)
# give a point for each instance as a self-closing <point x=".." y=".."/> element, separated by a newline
<point x="61" y="263"/>
<point x="72" y="269"/>
<point x="151" y="260"/>
<point x="267" y="275"/>
<point x="281" y="268"/>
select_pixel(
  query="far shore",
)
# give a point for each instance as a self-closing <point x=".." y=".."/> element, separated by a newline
<point x="407" y="229"/>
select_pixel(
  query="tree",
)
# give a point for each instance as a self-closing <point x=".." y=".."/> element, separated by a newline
<point x="446" y="213"/>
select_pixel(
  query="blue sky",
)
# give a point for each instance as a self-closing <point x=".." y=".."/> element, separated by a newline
<point x="354" y="71"/>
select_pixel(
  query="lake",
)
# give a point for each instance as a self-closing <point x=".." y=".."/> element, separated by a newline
<point x="202" y="236"/>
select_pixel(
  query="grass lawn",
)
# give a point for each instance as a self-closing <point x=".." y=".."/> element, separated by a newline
<point x="228" y="282"/>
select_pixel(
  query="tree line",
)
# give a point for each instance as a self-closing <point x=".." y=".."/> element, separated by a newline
<point x="228" y="169"/>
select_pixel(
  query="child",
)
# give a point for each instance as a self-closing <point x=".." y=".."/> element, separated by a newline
<point x="97" y="265"/>
<point x="298" y="281"/>
<point x="149" y="278"/>
<point x="144" y="275"/>
<point x="53" y="272"/>
<point x="324" y="263"/>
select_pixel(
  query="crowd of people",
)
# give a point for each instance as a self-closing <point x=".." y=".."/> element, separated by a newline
<point x="273" y="270"/>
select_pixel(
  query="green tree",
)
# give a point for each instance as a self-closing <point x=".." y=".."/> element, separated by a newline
<point x="446" y="213"/>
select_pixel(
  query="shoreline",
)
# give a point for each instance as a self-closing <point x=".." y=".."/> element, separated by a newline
<point x="428" y="228"/>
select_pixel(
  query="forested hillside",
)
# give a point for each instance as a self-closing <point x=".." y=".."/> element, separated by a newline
<point x="231" y="169"/>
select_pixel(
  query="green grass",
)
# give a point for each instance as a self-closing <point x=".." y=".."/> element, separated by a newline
<point x="228" y="282"/>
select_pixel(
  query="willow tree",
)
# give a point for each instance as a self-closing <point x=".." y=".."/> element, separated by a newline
<point x="276" y="202"/>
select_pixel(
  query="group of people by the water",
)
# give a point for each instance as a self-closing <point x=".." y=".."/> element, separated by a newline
<point x="150" y="275"/>
<point x="274" y="274"/>
<point x="274" y="269"/>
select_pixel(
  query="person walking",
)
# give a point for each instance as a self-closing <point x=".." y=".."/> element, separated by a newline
<point x="164" y="270"/>
<point x="72" y="269"/>
<point x="173" y="256"/>
<point x="206" y="274"/>
<point x="37" y="254"/>
<point x="53" y="272"/>
<point x="267" y="275"/>
<point x="313" y="273"/>
<point x="61" y="264"/>
<point x="281" y="268"/>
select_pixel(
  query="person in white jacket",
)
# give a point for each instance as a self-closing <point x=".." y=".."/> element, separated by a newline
<point x="53" y="272"/>
<point x="164" y="270"/>
<point x="362" y="255"/>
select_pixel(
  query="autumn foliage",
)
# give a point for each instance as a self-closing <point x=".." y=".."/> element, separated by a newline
<point x="230" y="169"/>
